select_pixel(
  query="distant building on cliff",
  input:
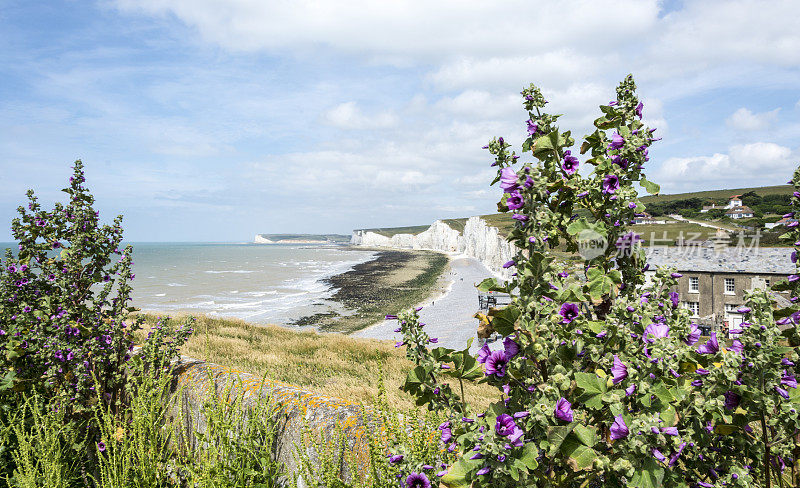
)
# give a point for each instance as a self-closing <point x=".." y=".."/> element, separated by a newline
<point x="739" y="212"/>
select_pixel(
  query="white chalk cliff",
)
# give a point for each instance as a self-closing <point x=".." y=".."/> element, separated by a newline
<point x="479" y="241"/>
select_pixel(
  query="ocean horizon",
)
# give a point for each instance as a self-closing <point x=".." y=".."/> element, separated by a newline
<point x="261" y="283"/>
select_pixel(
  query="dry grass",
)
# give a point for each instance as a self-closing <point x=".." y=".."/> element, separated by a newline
<point x="331" y="364"/>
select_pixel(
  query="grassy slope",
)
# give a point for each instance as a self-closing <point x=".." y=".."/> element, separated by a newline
<point x="333" y="364"/>
<point x="720" y="194"/>
<point x="504" y="222"/>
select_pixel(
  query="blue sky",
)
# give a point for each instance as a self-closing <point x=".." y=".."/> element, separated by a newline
<point x="216" y="120"/>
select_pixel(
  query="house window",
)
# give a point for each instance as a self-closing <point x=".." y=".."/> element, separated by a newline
<point x="767" y="282"/>
<point x="694" y="284"/>
<point x="731" y="308"/>
<point x="694" y="308"/>
<point x="729" y="286"/>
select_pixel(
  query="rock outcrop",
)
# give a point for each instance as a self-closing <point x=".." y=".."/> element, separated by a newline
<point x="478" y="240"/>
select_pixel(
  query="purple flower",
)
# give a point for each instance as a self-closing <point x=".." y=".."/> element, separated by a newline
<point x="101" y="446"/>
<point x="736" y="346"/>
<point x="619" y="429"/>
<point x="732" y="400"/>
<point x="506" y="427"/>
<point x="793" y="278"/>
<point x="563" y="410"/>
<point x="675" y="275"/>
<point x="483" y="353"/>
<point x="782" y="392"/>
<point x="673" y="297"/>
<point x="484" y="471"/>
<point x="496" y="364"/>
<point x="617" y="141"/>
<point x="788" y="380"/>
<point x="515" y="201"/>
<point x="532" y="128"/>
<point x="694" y="335"/>
<point x="508" y="180"/>
<point x="520" y="217"/>
<point x="677" y="454"/>
<point x="629" y="390"/>
<point x="569" y="311"/>
<point x="657" y="454"/>
<point x="618" y="371"/>
<point x="655" y="331"/>
<point x="639" y="110"/>
<point x="417" y="480"/>
<point x="570" y="164"/>
<point x="710" y="347"/>
<point x="509" y="264"/>
<point x="610" y="184"/>
<point x="743" y="310"/>
<point x="511" y="347"/>
<point x="670" y="431"/>
<point x="390" y="317"/>
<point x="395" y="459"/>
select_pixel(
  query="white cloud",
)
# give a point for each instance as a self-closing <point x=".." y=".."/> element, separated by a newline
<point x="706" y="33"/>
<point x="415" y="29"/>
<point x="760" y="163"/>
<point x="745" y="120"/>
<point x="349" y="116"/>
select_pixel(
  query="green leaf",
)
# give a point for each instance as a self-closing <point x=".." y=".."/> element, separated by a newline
<point x="556" y="434"/>
<point x="457" y="476"/>
<point x="663" y="393"/>
<point x="587" y="435"/>
<point x="503" y="320"/>
<point x="529" y="455"/>
<point x="490" y="284"/>
<point x="651" y="187"/>
<point x="416" y="375"/>
<point x="466" y="366"/>
<point x="599" y="283"/>
<point x="590" y="383"/>
<point x="579" y="456"/>
<point x="8" y="380"/>
<point x="543" y="147"/>
<point x="572" y="293"/>
<point x="650" y="475"/>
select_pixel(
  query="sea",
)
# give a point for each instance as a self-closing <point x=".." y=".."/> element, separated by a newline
<point x="262" y="283"/>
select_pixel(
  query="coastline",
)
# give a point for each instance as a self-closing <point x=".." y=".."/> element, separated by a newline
<point x="392" y="281"/>
<point x="449" y="316"/>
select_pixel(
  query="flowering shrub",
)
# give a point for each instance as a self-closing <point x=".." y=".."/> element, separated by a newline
<point x="65" y="325"/>
<point x="603" y="379"/>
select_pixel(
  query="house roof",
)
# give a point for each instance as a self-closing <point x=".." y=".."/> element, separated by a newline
<point x="769" y="260"/>
<point x="742" y="209"/>
<point x="734" y="196"/>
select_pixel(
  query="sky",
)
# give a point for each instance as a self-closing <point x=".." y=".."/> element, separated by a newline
<point x="214" y="120"/>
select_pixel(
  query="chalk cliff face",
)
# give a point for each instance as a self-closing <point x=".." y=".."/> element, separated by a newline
<point x="479" y="241"/>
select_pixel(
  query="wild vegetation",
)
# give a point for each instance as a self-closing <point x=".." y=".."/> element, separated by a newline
<point x="602" y="379"/>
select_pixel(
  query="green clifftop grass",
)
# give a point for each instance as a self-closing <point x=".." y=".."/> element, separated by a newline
<point x="505" y="223"/>
<point x="332" y="364"/>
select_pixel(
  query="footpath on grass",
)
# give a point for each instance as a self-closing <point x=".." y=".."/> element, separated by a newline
<point x="448" y="317"/>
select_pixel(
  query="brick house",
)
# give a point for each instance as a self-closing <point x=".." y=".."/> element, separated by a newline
<point x="714" y="281"/>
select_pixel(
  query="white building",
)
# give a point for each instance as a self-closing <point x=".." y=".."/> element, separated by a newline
<point x="740" y="212"/>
